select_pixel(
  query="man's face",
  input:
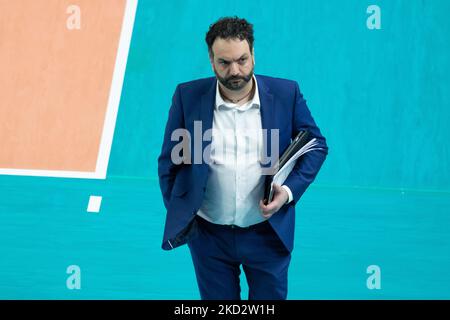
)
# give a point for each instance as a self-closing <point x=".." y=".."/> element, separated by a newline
<point x="232" y="62"/>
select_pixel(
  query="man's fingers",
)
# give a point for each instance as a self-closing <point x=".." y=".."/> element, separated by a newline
<point x="267" y="215"/>
<point x="267" y="209"/>
<point x="261" y="204"/>
<point x="272" y="205"/>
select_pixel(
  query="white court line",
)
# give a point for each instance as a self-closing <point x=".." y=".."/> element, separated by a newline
<point x="94" y="204"/>
<point x="111" y="111"/>
<point x="116" y="89"/>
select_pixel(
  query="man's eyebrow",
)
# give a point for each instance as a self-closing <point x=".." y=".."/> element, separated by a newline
<point x="244" y="56"/>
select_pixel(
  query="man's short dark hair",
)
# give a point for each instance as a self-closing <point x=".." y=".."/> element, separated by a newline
<point x="230" y="28"/>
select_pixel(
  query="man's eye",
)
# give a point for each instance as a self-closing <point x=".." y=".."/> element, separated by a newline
<point x="242" y="60"/>
<point x="224" y="63"/>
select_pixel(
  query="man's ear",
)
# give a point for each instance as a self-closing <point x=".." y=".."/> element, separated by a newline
<point x="211" y="59"/>
<point x="253" y="55"/>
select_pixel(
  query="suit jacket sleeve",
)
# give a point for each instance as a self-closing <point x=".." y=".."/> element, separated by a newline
<point x="308" y="165"/>
<point x="166" y="168"/>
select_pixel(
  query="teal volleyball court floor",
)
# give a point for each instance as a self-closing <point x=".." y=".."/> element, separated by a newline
<point x="44" y="228"/>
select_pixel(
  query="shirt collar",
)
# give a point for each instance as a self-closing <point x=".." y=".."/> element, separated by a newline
<point x="252" y="103"/>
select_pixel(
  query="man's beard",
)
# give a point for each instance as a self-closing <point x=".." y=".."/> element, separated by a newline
<point x="232" y="84"/>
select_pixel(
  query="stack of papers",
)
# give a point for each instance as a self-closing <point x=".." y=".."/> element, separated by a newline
<point x="298" y="147"/>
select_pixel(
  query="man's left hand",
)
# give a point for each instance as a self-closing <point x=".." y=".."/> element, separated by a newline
<point x="280" y="197"/>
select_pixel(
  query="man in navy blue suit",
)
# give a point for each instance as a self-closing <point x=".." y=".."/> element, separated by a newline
<point x="222" y="137"/>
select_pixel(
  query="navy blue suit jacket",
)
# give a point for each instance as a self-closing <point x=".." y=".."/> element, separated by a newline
<point x="183" y="185"/>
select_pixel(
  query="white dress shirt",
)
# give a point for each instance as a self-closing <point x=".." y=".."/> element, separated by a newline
<point x="235" y="182"/>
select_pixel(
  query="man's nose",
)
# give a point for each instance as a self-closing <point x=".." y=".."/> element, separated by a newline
<point x="234" y="69"/>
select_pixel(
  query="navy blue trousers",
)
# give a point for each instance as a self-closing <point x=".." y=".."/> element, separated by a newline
<point x="218" y="251"/>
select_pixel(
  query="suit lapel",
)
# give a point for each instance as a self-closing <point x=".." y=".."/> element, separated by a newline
<point x="206" y="114"/>
<point x="207" y="107"/>
<point x="267" y="119"/>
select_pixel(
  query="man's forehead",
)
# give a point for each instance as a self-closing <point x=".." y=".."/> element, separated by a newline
<point x="230" y="49"/>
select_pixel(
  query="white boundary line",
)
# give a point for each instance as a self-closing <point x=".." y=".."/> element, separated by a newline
<point x="111" y="111"/>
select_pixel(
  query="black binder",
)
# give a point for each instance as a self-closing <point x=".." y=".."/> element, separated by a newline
<point x="299" y="141"/>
